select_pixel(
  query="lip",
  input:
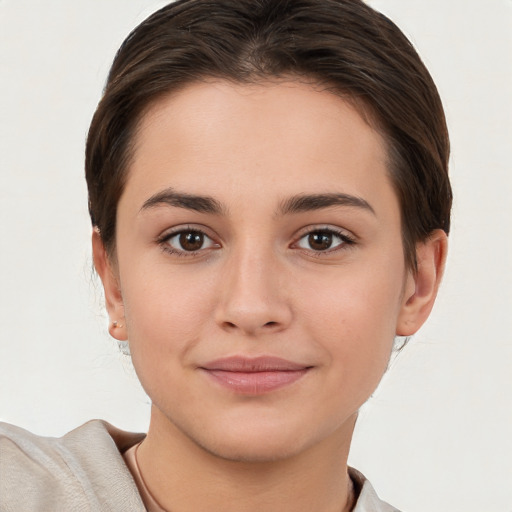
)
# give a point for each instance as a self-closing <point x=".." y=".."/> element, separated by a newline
<point x="254" y="376"/>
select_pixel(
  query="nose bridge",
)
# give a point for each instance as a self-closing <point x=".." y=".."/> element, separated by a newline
<point x="252" y="296"/>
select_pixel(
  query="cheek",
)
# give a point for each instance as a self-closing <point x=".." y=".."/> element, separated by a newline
<point x="352" y="316"/>
<point x="360" y="299"/>
<point x="165" y="318"/>
<point x="166" y="312"/>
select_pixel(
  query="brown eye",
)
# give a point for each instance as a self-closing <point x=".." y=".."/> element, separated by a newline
<point x="323" y="240"/>
<point x="188" y="241"/>
<point x="320" y="241"/>
<point x="191" y="240"/>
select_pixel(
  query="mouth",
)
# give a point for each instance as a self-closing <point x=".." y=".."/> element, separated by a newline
<point x="254" y="376"/>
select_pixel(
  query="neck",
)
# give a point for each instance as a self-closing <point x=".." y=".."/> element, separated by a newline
<point x="184" y="477"/>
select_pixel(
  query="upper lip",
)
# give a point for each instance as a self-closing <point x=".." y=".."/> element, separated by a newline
<point x="253" y="364"/>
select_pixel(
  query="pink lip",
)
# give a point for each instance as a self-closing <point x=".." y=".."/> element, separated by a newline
<point x="254" y="376"/>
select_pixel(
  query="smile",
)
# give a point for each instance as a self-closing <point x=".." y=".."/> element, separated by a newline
<point x="254" y="376"/>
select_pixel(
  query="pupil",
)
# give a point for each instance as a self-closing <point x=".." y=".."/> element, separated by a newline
<point x="191" y="241"/>
<point x="320" y="241"/>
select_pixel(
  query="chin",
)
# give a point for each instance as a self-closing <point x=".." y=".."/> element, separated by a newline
<point x="251" y="449"/>
<point x="257" y="441"/>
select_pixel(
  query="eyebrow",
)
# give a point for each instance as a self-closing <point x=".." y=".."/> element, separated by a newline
<point x="296" y="204"/>
<point x="310" y="202"/>
<point x="170" y="197"/>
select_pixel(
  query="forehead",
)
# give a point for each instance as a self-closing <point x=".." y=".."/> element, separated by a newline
<point x="281" y="136"/>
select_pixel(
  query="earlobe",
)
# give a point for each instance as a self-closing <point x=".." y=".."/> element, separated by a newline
<point x="421" y="287"/>
<point x="109" y="278"/>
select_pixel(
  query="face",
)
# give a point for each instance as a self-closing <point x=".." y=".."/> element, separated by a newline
<point x="259" y="266"/>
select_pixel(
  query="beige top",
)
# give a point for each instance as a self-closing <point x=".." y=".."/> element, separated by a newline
<point x="84" y="471"/>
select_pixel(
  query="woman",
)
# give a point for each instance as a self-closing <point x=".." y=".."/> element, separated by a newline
<point x="269" y="195"/>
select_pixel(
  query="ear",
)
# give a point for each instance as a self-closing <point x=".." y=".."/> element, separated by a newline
<point x="421" y="287"/>
<point x="113" y="297"/>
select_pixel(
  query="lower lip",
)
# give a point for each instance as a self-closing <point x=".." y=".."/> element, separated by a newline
<point x="256" y="383"/>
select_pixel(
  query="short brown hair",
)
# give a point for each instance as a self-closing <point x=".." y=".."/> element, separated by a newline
<point x="342" y="44"/>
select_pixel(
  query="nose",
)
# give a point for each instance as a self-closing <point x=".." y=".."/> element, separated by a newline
<point x="252" y="296"/>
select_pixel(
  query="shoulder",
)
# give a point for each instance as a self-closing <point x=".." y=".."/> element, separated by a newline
<point x="83" y="470"/>
<point x="368" y="500"/>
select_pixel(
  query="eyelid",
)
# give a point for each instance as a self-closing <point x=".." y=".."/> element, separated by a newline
<point x="170" y="231"/>
<point x="162" y="239"/>
<point x="346" y="236"/>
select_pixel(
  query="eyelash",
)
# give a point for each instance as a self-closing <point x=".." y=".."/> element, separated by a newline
<point x="163" y="241"/>
<point x="346" y="241"/>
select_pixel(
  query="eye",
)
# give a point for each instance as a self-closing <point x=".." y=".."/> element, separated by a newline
<point x="187" y="240"/>
<point x="323" y="240"/>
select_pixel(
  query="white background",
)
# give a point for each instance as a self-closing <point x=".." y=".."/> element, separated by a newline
<point x="437" y="435"/>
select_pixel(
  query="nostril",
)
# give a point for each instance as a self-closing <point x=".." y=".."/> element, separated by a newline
<point x="231" y="326"/>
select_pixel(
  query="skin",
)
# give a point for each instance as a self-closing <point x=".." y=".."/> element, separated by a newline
<point x="257" y="286"/>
